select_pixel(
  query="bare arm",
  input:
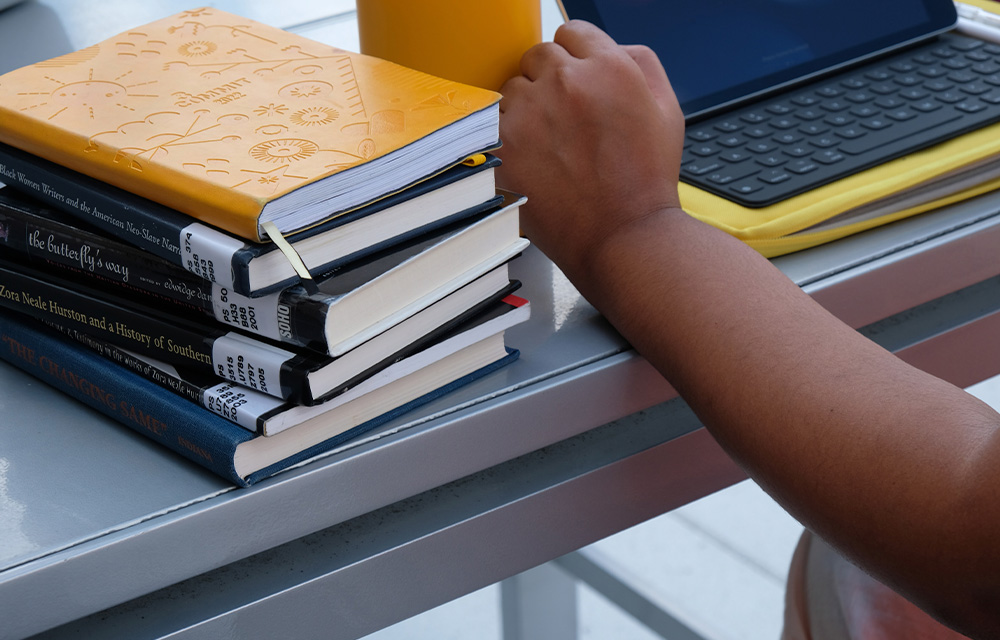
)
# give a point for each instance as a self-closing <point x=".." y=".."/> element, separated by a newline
<point x="896" y="468"/>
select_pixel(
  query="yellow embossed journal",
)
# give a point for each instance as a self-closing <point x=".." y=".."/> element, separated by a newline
<point x="237" y="124"/>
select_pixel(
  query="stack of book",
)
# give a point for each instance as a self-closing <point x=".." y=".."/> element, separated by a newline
<point x="249" y="246"/>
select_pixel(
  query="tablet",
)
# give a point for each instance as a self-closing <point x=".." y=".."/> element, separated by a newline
<point x="720" y="53"/>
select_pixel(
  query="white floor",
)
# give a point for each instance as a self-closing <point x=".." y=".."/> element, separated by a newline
<point x="723" y="572"/>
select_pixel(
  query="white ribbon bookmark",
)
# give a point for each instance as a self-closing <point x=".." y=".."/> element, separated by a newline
<point x="293" y="257"/>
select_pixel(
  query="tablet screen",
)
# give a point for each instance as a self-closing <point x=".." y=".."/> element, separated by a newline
<point x="718" y="52"/>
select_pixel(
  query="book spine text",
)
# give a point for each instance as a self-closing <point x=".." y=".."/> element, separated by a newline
<point x="139" y="404"/>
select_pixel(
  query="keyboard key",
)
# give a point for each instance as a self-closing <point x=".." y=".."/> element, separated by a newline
<point x="978" y="56"/>
<point x="771" y="160"/>
<point x="926" y="58"/>
<point x="701" y="135"/>
<point x="926" y="106"/>
<point x="901" y="114"/>
<point x="949" y="97"/>
<point x="986" y="68"/>
<point x="787" y="138"/>
<point x="762" y="147"/>
<point x="757" y="132"/>
<point x="774" y="176"/>
<point x="701" y="168"/>
<point x="814" y="129"/>
<point x="854" y="83"/>
<point x="876" y="123"/>
<point x="879" y="75"/>
<point x="860" y="97"/>
<point x="828" y="156"/>
<point x="839" y="120"/>
<point x="829" y="92"/>
<point x="823" y="142"/>
<point x="798" y="151"/>
<point x="778" y="109"/>
<point x="965" y="44"/>
<point x="704" y="150"/>
<point x="728" y="126"/>
<point x="731" y="141"/>
<point x="975" y="88"/>
<point x="835" y="105"/>
<point x="908" y="80"/>
<point x="913" y="93"/>
<point x="890" y="103"/>
<point x="809" y="114"/>
<point x="849" y="133"/>
<point x="883" y="88"/>
<point x="733" y="173"/>
<point x="956" y="64"/>
<point x="746" y="188"/>
<point x="783" y="123"/>
<point x="903" y="66"/>
<point x="864" y="111"/>
<point x="992" y="97"/>
<point x="962" y="77"/>
<point x="753" y="117"/>
<point x="801" y="166"/>
<point x="933" y="72"/>
<point x="970" y="107"/>
<point x="938" y="85"/>
<point x="735" y="157"/>
<point x="944" y="52"/>
<point x="805" y="100"/>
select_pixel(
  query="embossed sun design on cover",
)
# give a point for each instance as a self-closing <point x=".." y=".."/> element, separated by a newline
<point x="216" y="115"/>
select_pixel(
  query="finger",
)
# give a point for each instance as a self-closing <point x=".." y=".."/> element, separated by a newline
<point x="582" y="39"/>
<point x="648" y="62"/>
<point x="511" y="90"/>
<point x="656" y="76"/>
<point x="540" y="57"/>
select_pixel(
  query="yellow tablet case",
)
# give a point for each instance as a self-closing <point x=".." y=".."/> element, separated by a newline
<point x="948" y="172"/>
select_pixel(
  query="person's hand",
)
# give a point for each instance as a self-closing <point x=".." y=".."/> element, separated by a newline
<point x="592" y="134"/>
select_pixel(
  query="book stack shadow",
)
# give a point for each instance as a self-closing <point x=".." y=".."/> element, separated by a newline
<point x="250" y="343"/>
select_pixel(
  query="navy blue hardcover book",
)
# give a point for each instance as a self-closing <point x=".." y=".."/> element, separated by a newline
<point x="253" y="269"/>
<point x="215" y="443"/>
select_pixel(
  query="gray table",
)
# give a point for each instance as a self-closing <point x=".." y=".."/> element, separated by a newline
<point x="103" y="533"/>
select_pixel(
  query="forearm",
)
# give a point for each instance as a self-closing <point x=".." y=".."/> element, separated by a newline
<point x="896" y="468"/>
<point x="785" y="387"/>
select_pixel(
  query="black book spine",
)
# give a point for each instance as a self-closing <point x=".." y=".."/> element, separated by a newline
<point x="50" y="243"/>
<point x="41" y="240"/>
<point x="178" y="384"/>
<point x="141" y="223"/>
<point x="208" y="391"/>
<point x="229" y="355"/>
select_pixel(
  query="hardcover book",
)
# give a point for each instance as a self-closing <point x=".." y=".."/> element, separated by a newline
<point x="283" y="371"/>
<point x="239" y="124"/>
<point x="210" y="440"/>
<point x="267" y="415"/>
<point x="352" y="303"/>
<point x="249" y="268"/>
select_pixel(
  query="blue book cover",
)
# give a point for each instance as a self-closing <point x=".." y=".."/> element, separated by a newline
<point x="188" y="429"/>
